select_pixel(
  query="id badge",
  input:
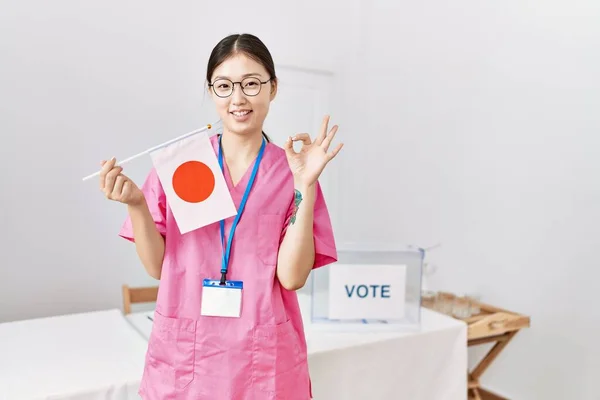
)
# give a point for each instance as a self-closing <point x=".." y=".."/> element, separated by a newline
<point x="221" y="300"/>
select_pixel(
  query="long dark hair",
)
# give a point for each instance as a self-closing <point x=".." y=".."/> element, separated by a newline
<point x="244" y="43"/>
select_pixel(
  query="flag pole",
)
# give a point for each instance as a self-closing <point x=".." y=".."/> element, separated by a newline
<point x="150" y="150"/>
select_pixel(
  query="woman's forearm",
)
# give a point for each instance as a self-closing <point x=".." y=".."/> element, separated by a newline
<point x="297" y="250"/>
<point x="149" y="243"/>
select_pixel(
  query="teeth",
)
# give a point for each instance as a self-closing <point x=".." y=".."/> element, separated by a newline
<point x="240" y="113"/>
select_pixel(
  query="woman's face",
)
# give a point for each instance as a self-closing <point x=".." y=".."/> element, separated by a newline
<point x="242" y="113"/>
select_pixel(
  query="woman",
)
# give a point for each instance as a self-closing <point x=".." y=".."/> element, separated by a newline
<point x="282" y="233"/>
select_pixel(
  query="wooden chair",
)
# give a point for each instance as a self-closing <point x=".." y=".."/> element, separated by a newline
<point x="138" y="295"/>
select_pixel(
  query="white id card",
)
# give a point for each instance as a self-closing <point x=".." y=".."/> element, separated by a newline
<point x="221" y="300"/>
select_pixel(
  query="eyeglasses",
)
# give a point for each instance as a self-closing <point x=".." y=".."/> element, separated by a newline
<point x="250" y="86"/>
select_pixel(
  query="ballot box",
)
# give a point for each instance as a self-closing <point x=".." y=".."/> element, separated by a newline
<point x="368" y="290"/>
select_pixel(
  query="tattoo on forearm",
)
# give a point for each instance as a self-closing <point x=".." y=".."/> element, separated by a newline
<point x="297" y="201"/>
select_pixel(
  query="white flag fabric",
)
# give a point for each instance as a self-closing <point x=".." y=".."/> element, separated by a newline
<point x="193" y="182"/>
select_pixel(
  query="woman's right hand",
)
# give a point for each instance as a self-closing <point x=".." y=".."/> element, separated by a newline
<point x="117" y="186"/>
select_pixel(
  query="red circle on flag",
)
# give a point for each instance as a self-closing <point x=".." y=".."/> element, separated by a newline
<point x="193" y="181"/>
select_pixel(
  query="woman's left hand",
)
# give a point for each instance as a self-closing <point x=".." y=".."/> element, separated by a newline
<point x="309" y="162"/>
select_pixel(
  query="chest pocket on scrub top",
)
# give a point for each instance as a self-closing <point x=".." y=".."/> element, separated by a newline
<point x="269" y="235"/>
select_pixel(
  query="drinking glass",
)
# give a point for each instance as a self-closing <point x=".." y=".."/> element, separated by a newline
<point x="461" y="307"/>
<point x="444" y="302"/>
<point x="474" y="299"/>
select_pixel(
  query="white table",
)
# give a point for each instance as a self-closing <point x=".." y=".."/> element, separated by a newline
<point x="428" y="364"/>
<point x="94" y="355"/>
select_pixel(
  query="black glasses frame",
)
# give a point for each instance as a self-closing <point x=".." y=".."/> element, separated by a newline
<point x="241" y="87"/>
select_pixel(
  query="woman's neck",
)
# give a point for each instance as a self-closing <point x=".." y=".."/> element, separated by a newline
<point x="240" y="149"/>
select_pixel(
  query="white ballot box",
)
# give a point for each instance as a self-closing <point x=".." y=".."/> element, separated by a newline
<point x="369" y="290"/>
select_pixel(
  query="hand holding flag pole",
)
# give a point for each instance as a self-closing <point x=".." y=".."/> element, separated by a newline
<point x="150" y="150"/>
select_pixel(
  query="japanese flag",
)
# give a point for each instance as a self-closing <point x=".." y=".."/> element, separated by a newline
<point x="193" y="182"/>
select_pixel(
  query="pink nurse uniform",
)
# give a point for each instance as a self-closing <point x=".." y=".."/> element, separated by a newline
<point x="263" y="354"/>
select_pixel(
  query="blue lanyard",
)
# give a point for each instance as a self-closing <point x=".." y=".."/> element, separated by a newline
<point x="225" y="258"/>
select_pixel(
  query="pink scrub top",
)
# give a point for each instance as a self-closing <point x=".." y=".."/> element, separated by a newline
<point x="263" y="354"/>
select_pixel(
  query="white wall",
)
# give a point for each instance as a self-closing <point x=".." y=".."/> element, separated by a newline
<point x="469" y="124"/>
<point x="486" y="118"/>
<point x="81" y="82"/>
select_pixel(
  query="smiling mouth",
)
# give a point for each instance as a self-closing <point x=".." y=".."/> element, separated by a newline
<point x="241" y="113"/>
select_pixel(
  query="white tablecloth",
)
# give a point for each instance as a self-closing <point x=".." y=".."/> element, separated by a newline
<point x="428" y="364"/>
<point x="93" y="355"/>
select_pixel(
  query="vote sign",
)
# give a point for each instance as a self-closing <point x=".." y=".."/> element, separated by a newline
<point x="367" y="291"/>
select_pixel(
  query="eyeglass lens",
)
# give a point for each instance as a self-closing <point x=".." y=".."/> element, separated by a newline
<point x="224" y="87"/>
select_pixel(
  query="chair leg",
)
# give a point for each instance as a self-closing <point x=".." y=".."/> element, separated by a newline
<point x="126" y="300"/>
